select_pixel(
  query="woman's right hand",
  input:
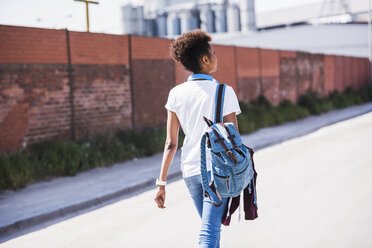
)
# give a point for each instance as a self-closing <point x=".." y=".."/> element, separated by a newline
<point x="160" y="197"/>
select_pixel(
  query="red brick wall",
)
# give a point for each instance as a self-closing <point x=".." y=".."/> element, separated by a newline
<point x="339" y="75"/>
<point x="34" y="104"/>
<point x="153" y="75"/>
<point x="270" y="75"/>
<point x="35" y="90"/>
<point x="367" y="71"/>
<point x="347" y="71"/>
<point x="102" y="98"/>
<point x="150" y="48"/>
<point x="317" y="71"/>
<point x="32" y="45"/>
<point x="226" y="66"/>
<point x="102" y="93"/>
<point x="304" y="73"/>
<point x="120" y="81"/>
<point x="91" y="48"/>
<point x="248" y="73"/>
<point x="329" y="74"/>
<point x="181" y="74"/>
<point x="288" y="76"/>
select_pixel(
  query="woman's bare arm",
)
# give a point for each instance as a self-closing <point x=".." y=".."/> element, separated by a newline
<point x="170" y="149"/>
<point x="231" y="118"/>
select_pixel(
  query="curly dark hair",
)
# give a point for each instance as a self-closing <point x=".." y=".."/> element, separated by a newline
<point x="189" y="48"/>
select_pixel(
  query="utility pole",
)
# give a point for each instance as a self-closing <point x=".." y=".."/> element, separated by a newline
<point x="87" y="9"/>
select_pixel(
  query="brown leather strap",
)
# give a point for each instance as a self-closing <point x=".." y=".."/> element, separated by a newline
<point x="222" y="142"/>
<point x="230" y="137"/>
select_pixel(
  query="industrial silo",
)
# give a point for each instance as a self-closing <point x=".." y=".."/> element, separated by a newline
<point x="247" y="15"/>
<point x="233" y="18"/>
<point x="220" y="18"/>
<point x="206" y="18"/>
<point x="189" y="20"/>
<point x="173" y="24"/>
<point x="161" y="25"/>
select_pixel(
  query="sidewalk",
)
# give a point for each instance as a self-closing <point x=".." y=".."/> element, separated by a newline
<point x="42" y="203"/>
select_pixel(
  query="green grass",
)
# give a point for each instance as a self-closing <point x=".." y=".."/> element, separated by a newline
<point x="55" y="158"/>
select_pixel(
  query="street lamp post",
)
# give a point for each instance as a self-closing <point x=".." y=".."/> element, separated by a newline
<point x="87" y="9"/>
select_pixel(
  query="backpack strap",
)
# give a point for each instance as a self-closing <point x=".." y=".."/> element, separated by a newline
<point x="219" y="100"/>
<point x="209" y="188"/>
<point x="222" y="142"/>
<point x="230" y="137"/>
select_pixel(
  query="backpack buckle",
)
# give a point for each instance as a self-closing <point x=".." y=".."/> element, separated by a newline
<point x="231" y="156"/>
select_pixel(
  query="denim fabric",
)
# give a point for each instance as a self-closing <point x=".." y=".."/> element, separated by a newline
<point x="211" y="216"/>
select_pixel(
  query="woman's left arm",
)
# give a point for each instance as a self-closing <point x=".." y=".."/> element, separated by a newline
<point x="170" y="149"/>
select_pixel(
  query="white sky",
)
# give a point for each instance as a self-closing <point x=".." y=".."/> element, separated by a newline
<point x="104" y="18"/>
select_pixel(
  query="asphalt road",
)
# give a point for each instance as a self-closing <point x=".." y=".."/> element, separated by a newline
<point x="313" y="191"/>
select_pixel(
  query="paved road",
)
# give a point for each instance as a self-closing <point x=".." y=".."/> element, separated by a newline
<point x="313" y="191"/>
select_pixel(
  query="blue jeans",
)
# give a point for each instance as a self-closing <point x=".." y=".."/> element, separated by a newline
<point x="210" y="215"/>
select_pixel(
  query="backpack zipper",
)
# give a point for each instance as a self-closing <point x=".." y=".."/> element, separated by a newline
<point x="226" y="180"/>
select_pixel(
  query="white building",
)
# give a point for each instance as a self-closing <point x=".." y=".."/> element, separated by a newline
<point x="341" y="39"/>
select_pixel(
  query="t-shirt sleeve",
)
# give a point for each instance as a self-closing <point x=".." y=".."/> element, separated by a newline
<point x="170" y="105"/>
<point x="231" y="103"/>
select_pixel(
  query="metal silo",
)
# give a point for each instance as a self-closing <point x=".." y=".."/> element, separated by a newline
<point x="173" y="24"/>
<point x="247" y="15"/>
<point x="220" y="18"/>
<point x="206" y="18"/>
<point x="127" y="19"/>
<point x="140" y="20"/>
<point x="233" y="18"/>
<point x="161" y="25"/>
<point x="133" y="20"/>
<point x="189" y="20"/>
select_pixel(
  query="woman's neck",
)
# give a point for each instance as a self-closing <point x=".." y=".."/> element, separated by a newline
<point x="207" y="73"/>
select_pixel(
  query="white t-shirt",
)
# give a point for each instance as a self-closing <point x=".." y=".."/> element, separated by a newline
<point x="191" y="101"/>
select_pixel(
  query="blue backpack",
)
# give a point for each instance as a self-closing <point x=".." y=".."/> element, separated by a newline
<point x="231" y="160"/>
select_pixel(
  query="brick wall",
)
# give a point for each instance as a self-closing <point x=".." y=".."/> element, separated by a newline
<point x="288" y="76"/>
<point x="270" y="75"/>
<point x="226" y="65"/>
<point x="35" y="92"/>
<point x="153" y="75"/>
<point x="91" y="48"/>
<point x="248" y="73"/>
<point x="102" y="98"/>
<point x="122" y="81"/>
<point x="317" y="74"/>
<point x="34" y="104"/>
<point x="32" y="45"/>
<point x="102" y="93"/>
<point x="329" y="73"/>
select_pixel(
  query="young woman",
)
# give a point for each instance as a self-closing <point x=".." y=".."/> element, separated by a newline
<point x="187" y="104"/>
